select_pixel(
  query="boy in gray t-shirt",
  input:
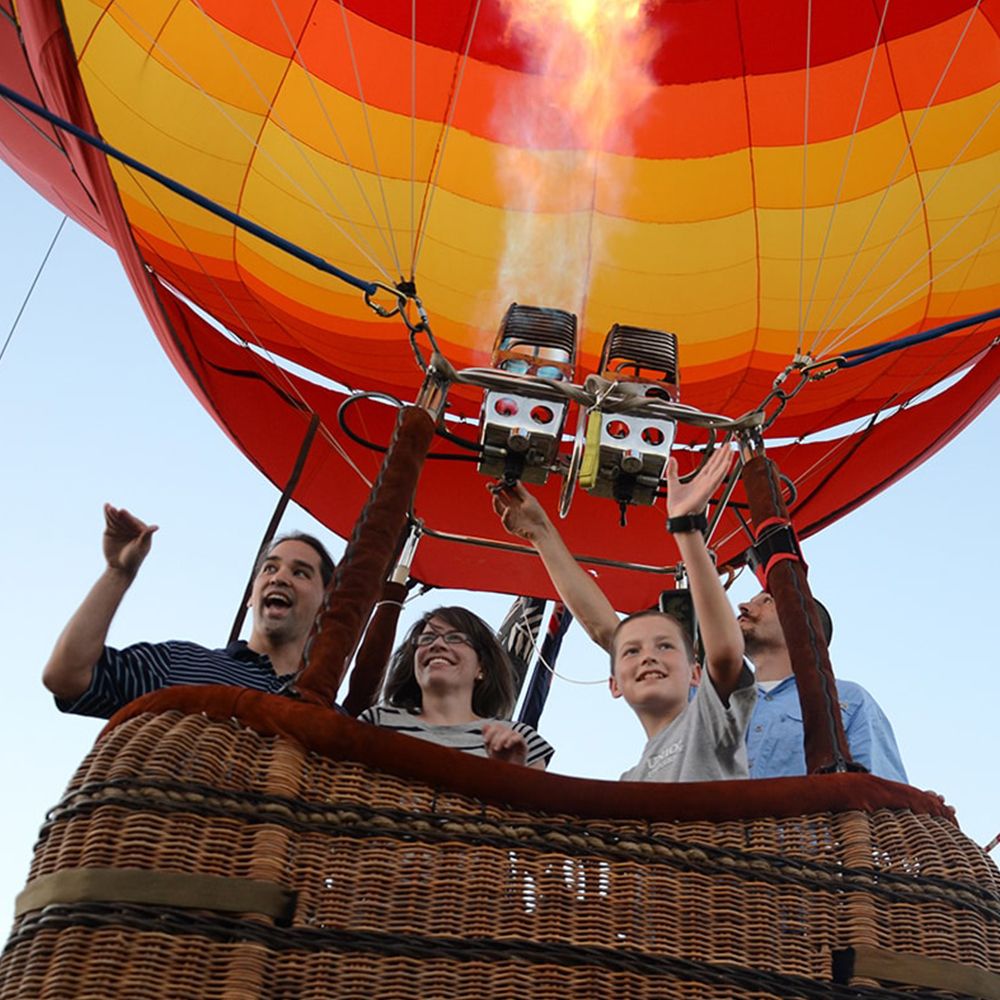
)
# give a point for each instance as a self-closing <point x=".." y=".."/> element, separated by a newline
<point x="652" y="661"/>
<point x="701" y="739"/>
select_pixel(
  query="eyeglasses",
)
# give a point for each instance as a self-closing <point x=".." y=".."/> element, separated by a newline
<point x="452" y="638"/>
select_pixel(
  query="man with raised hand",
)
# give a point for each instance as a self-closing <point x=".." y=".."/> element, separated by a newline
<point x="652" y="660"/>
<point x="775" y="736"/>
<point x="89" y="678"/>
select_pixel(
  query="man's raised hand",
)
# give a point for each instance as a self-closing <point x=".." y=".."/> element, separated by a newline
<point x="127" y="540"/>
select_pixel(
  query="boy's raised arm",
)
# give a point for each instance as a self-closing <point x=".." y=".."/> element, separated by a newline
<point x="721" y="636"/>
<point x="522" y="515"/>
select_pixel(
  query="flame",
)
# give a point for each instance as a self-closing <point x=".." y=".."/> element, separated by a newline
<point x="590" y="76"/>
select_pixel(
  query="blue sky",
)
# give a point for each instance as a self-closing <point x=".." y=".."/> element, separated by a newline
<point x="91" y="410"/>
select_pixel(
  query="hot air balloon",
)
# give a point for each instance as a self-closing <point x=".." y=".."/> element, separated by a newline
<point x="313" y="203"/>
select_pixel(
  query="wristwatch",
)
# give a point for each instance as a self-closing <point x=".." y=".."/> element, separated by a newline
<point x="686" y="523"/>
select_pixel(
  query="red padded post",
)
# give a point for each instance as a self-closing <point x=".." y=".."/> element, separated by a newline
<point x="825" y="740"/>
<point x="360" y="575"/>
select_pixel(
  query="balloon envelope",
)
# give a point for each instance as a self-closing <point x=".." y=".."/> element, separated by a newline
<point x="765" y="179"/>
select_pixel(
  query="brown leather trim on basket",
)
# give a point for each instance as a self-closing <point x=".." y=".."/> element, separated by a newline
<point x="914" y="970"/>
<point x="338" y="737"/>
<point x="175" y="889"/>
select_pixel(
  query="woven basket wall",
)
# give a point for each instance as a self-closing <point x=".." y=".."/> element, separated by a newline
<point x="401" y="890"/>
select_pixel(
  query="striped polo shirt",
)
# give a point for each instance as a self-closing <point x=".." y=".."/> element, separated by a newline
<point x="467" y="737"/>
<point x="122" y="675"/>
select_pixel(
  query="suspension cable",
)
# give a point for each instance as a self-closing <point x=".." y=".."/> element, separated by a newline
<point x="266" y="235"/>
<point x="843" y="175"/>
<point x="34" y="281"/>
<point x="828" y="321"/>
<point x="293" y="390"/>
<point x="347" y="229"/>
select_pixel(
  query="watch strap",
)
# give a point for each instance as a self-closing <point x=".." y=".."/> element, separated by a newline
<point x="687" y="523"/>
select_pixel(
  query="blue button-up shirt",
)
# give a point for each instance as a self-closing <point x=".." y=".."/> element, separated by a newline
<point x="774" y="736"/>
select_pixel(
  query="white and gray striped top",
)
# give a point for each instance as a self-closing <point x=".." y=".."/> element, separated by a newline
<point x="467" y="737"/>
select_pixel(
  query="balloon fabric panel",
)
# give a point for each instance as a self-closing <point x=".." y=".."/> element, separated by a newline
<point x="716" y="202"/>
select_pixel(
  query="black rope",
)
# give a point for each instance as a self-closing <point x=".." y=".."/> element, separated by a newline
<point x="439" y="456"/>
<point x="566" y="958"/>
<point x="360" y="820"/>
<point x="460" y="441"/>
<point x="272" y="527"/>
<point x="190" y="194"/>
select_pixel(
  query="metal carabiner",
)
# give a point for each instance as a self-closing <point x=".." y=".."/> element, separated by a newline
<point x="819" y="370"/>
<point x="807" y="370"/>
<point x="399" y="296"/>
<point x="767" y="419"/>
<point x="424" y="323"/>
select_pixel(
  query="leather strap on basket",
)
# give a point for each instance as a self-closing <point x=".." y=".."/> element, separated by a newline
<point x="825" y="741"/>
<point x="865" y="961"/>
<point x="152" y="888"/>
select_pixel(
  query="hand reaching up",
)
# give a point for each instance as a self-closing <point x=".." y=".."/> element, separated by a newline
<point x="127" y="540"/>
<point x="521" y="514"/>
<point x="693" y="497"/>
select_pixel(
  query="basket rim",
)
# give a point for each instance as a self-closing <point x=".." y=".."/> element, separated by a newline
<point x="334" y="735"/>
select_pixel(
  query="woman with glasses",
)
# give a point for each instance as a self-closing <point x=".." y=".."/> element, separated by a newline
<point x="451" y="682"/>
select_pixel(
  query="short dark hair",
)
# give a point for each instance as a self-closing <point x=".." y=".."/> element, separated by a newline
<point x="493" y="697"/>
<point x="826" y="622"/>
<point x="653" y="613"/>
<point x="326" y="563"/>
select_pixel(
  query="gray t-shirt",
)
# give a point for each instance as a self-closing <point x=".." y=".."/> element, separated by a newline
<point x="705" y="742"/>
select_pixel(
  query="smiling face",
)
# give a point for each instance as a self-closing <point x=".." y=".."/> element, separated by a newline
<point x="287" y="593"/>
<point x="653" y="670"/>
<point x="442" y="664"/>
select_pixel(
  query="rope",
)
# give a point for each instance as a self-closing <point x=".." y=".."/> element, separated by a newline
<point x="904" y="226"/>
<point x="974" y="252"/>
<point x="860" y="355"/>
<point x="805" y="177"/>
<point x="190" y="194"/>
<point x="371" y="137"/>
<point x="827" y="322"/>
<point x="38" y="274"/>
<point x="413" y="131"/>
<point x="293" y="391"/>
<point x="354" y="236"/>
<point x="843" y="179"/>
<point x="540" y="660"/>
<point x="297" y="52"/>
<point x="431" y="187"/>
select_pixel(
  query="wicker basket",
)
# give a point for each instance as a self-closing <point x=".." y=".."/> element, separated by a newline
<point x="358" y="882"/>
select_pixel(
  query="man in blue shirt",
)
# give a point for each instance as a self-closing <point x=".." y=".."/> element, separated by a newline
<point x="775" y="734"/>
<point x="89" y="678"/>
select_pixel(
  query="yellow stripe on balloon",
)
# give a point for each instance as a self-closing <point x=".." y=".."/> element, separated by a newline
<point x="202" y="151"/>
